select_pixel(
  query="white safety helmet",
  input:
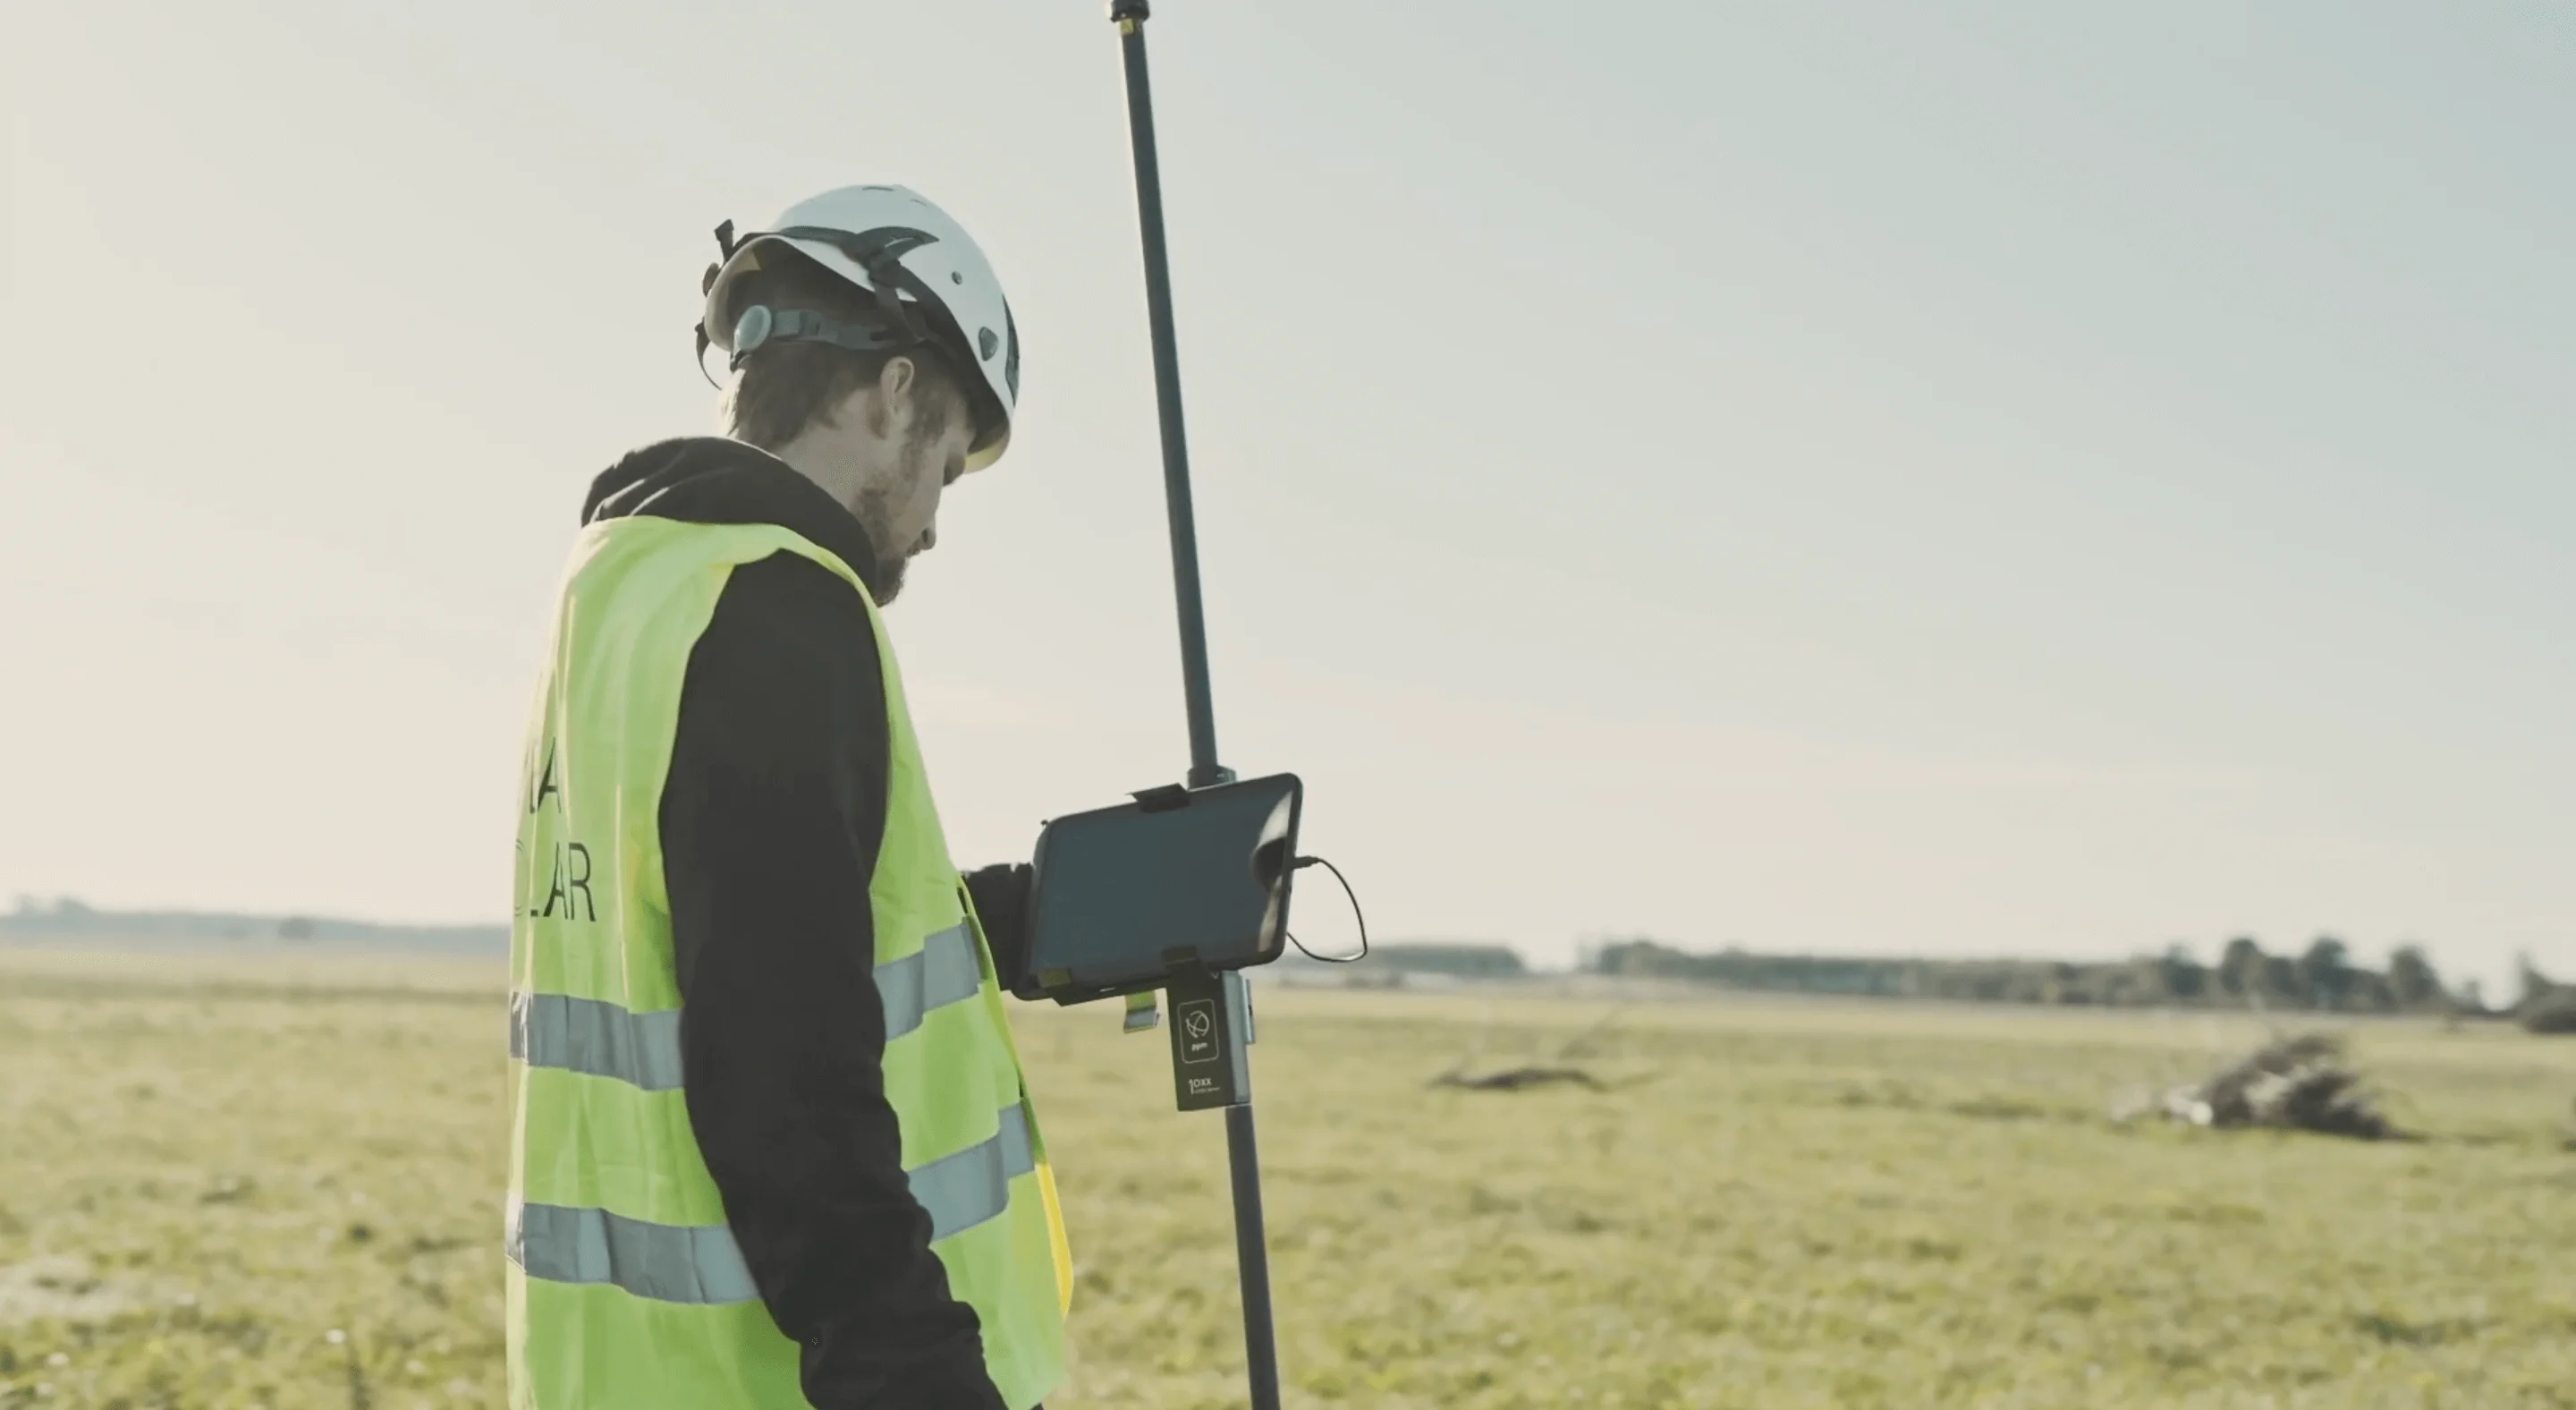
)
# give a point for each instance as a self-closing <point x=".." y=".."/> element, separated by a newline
<point x="930" y="282"/>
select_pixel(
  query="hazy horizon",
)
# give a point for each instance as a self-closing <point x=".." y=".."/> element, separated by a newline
<point x="433" y="937"/>
<point x="1843" y="480"/>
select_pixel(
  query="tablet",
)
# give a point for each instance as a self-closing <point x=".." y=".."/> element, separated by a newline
<point x="1178" y="879"/>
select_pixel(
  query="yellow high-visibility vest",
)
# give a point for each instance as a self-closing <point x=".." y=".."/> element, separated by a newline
<point x="626" y="1288"/>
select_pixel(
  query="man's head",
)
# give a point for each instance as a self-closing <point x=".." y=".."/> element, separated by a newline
<point x="883" y="431"/>
<point x="876" y="353"/>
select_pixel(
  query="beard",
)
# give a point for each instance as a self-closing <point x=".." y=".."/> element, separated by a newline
<point x="886" y="583"/>
<point x="884" y="577"/>
<point x="877" y="514"/>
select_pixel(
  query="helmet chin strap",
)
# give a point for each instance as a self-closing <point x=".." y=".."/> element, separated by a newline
<point x="706" y="285"/>
<point x="761" y="325"/>
<point x="880" y="253"/>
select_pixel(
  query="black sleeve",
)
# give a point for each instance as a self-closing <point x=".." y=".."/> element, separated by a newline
<point x="771" y="818"/>
<point x="1002" y="903"/>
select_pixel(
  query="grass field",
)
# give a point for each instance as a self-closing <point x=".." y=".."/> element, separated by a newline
<point x="278" y="1183"/>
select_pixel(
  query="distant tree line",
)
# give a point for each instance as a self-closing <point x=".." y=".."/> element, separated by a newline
<point x="2322" y="977"/>
<point x="67" y="918"/>
<point x="2545" y="1006"/>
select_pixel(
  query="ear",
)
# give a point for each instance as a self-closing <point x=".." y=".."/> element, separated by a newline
<point x="896" y="383"/>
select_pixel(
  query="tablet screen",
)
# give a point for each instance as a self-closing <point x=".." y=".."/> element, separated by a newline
<point x="1118" y="892"/>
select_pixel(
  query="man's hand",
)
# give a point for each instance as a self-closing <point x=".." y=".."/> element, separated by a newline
<point x="1002" y="902"/>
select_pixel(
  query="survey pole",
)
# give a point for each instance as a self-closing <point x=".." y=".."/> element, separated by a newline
<point x="1204" y="769"/>
<point x="1252" y="1250"/>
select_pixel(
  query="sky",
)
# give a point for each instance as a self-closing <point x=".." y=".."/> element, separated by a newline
<point x="1964" y="480"/>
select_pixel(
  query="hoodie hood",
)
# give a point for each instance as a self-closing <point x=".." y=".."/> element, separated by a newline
<point x="713" y="480"/>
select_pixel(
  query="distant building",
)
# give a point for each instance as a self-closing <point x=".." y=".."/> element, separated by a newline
<point x="1405" y="964"/>
<point x="1465" y="961"/>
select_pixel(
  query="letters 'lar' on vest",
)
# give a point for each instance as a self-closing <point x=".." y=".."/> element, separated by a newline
<point x="625" y="1287"/>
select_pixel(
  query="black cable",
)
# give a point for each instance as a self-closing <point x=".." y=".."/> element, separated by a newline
<point x="1356" y="914"/>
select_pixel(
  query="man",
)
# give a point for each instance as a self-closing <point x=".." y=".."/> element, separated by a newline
<point x="773" y="1146"/>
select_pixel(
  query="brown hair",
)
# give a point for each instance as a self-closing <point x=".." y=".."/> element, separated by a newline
<point x="786" y="387"/>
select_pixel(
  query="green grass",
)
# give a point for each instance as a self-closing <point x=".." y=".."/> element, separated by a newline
<point x="208" y="1170"/>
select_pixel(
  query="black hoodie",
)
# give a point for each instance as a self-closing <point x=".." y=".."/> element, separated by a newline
<point x="771" y="820"/>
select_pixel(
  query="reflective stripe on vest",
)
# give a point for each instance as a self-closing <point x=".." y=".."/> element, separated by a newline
<point x="643" y="1049"/>
<point x="701" y="1263"/>
<point x="943" y="971"/>
<point x="598" y="1038"/>
<point x="665" y="1262"/>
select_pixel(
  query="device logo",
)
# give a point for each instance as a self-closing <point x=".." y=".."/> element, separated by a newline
<point x="1198" y="1030"/>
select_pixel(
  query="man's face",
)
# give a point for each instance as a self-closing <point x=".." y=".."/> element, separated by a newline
<point x="900" y="510"/>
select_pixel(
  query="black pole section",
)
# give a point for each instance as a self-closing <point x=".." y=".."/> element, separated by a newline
<point x="1252" y="1255"/>
<point x="1251" y="1244"/>
<point x="1204" y="769"/>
